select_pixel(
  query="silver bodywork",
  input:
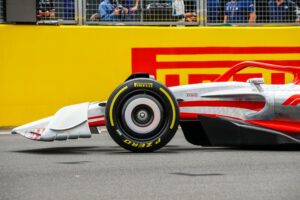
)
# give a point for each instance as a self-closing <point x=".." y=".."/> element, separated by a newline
<point x="273" y="95"/>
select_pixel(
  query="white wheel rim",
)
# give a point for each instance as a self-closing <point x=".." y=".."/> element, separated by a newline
<point x="156" y="115"/>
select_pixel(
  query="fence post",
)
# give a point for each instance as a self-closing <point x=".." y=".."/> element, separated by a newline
<point x="80" y="14"/>
<point x="201" y="12"/>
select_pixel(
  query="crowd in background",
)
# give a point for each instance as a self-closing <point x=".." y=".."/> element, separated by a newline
<point x="217" y="11"/>
<point x="48" y="9"/>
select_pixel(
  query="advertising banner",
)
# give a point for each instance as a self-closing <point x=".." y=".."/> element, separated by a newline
<point x="43" y="68"/>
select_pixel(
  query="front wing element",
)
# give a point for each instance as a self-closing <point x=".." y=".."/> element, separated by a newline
<point x="70" y="122"/>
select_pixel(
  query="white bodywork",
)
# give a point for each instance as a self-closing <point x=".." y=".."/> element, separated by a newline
<point x="70" y="122"/>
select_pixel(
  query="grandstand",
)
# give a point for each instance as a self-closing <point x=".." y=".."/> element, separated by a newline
<point x="1" y="10"/>
<point x="167" y="12"/>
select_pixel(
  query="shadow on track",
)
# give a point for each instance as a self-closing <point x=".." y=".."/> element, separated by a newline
<point x="195" y="175"/>
<point x="67" y="150"/>
<point x="170" y="149"/>
<point x="96" y="149"/>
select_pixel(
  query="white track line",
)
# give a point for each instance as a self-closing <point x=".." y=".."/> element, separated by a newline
<point x="5" y="133"/>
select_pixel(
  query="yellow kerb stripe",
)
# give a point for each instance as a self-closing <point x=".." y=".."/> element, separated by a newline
<point x="112" y="105"/>
<point x="173" y="107"/>
<point x="226" y="57"/>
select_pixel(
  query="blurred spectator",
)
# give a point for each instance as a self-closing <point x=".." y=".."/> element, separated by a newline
<point x="190" y="6"/>
<point x="69" y="9"/>
<point x="239" y="11"/>
<point x="158" y="11"/>
<point x="261" y="11"/>
<point x="133" y="8"/>
<point x="213" y="11"/>
<point x="45" y="9"/>
<point x="132" y="5"/>
<point x="190" y="10"/>
<point x="112" y="10"/>
<point x="1" y="9"/>
<point x="283" y="11"/>
<point x="179" y="11"/>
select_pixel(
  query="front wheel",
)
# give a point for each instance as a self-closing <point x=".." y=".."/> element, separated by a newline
<point x="142" y="115"/>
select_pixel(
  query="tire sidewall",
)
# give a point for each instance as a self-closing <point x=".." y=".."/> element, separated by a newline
<point x="113" y="115"/>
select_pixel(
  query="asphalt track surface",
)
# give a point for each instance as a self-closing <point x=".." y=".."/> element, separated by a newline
<point x="98" y="169"/>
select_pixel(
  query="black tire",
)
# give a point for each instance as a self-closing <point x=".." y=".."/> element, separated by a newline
<point x="142" y="115"/>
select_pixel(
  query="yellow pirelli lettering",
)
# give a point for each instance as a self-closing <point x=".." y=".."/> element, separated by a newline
<point x="157" y="141"/>
<point x="226" y="57"/>
<point x="184" y="73"/>
<point x="113" y="103"/>
<point x="149" y="145"/>
<point x="172" y="105"/>
<point x="135" y="144"/>
<point x="143" y="85"/>
<point x="127" y="141"/>
<point x="140" y="145"/>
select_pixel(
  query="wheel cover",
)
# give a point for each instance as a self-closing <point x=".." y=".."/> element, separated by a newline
<point x="142" y="115"/>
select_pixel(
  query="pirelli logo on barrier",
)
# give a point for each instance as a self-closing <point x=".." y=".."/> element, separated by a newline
<point x="178" y="66"/>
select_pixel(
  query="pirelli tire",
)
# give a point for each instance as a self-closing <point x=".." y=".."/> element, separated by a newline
<point x="142" y="115"/>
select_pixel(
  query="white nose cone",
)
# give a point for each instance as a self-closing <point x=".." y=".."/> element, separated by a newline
<point x="69" y="122"/>
<point x="69" y="117"/>
<point x="33" y="125"/>
<point x="33" y="130"/>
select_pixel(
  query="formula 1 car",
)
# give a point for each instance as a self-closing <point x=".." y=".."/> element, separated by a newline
<point x="142" y="115"/>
